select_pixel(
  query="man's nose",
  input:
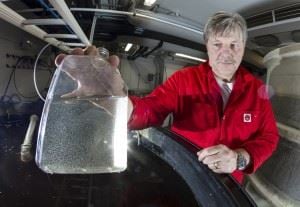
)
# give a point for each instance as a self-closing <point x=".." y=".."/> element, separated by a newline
<point x="226" y="53"/>
<point x="226" y="49"/>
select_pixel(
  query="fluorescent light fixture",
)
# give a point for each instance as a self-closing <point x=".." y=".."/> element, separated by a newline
<point x="190" y="57"/>
<point x="128" y="46"/>
<point x="149" y="2"/>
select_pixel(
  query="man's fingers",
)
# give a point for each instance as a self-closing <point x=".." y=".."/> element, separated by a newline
<point x="90" y="50"/>
<point x="59" y="59"/>
<point x="77" y="51"/>
<point x="214" y="169"/>
<point x="114" y="61"/>
<point x="211" y="159"/>
<point x="207" y="152"/>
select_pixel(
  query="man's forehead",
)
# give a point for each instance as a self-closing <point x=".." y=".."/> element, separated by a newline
<point x="229" y="36"/>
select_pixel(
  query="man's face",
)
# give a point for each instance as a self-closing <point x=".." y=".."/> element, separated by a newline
<point x="225" y="53"/>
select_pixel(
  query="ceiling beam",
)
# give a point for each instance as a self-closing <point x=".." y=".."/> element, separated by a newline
<point x="64" y="11"/>
<point x="7" y="14"/>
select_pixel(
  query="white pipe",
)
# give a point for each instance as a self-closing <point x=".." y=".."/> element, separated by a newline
<point x="44" y="22"/>
<point x="64" y="11"/>
<point x="102" y="10"/>
<point x="14" y="18"/>
<point x="93" y="29"/>
<point x="175" y="24"/>
<point x="65" y="36"/>
<point x="75" y="44"/>
<point x="26" y="155"/>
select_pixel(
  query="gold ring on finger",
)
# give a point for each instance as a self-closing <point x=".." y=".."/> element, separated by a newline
<point x="216" y="165"/>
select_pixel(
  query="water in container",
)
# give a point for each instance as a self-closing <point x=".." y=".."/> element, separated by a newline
<point x="83" y="128"/>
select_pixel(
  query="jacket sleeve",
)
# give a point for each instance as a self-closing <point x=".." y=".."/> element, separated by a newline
<point x="264" y="142"/>
<point x="153" y="109"/>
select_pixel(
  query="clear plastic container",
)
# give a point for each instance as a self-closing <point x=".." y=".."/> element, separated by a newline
<point x="84" y="131"/>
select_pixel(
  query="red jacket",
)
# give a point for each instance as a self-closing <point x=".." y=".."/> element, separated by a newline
<point x="194" y="97"/>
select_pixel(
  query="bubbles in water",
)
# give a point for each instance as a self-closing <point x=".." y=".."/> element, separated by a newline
<point x="80" y="137"/>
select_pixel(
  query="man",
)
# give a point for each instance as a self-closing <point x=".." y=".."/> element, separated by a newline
<point x="217" y="105"/>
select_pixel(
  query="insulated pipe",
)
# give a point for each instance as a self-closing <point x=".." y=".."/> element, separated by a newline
<point x="14" y="18"/>
<point x="64" y="11"/>
<point x="26" y="155"/>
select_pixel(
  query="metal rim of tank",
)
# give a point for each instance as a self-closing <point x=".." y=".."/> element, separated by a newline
<point x="219" y="190"/>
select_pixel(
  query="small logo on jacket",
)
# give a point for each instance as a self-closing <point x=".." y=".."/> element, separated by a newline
<point x="247" y="117"/>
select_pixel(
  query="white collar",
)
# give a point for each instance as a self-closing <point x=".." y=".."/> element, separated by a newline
<point x="221" y="82"/>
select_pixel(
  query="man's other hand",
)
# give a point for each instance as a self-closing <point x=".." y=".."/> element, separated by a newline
<point x="219" y="158"/>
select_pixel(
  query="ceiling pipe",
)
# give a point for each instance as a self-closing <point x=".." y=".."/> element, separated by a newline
<point x="64" y="36"/>
<point x="17" y="20"/>
<point x="101" y="10"/>
<point x="150" y="15"/>
<point x="64" y="11"/>
<point x="160" y="44"/>
<point x="143" y="14"/>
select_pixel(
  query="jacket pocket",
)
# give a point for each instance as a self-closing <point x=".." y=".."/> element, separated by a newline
<point x="248" y="123"/>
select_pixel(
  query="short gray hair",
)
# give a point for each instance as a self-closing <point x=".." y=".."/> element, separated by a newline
<point x="223" y="23"/>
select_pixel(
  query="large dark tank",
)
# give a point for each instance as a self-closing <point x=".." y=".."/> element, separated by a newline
<point x="162" y="171"/>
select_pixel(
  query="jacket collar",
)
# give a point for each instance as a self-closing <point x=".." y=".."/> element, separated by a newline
<point x="242" y="78"/>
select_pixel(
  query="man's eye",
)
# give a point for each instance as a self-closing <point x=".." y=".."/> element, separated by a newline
<point x="217" y="45"/>
<point x="234" y="46"/>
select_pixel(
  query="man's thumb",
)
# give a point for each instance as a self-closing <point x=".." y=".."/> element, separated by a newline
<point x="114" y="61"/>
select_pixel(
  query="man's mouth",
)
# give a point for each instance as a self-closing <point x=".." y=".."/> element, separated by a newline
<point x="225" y="62"/>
